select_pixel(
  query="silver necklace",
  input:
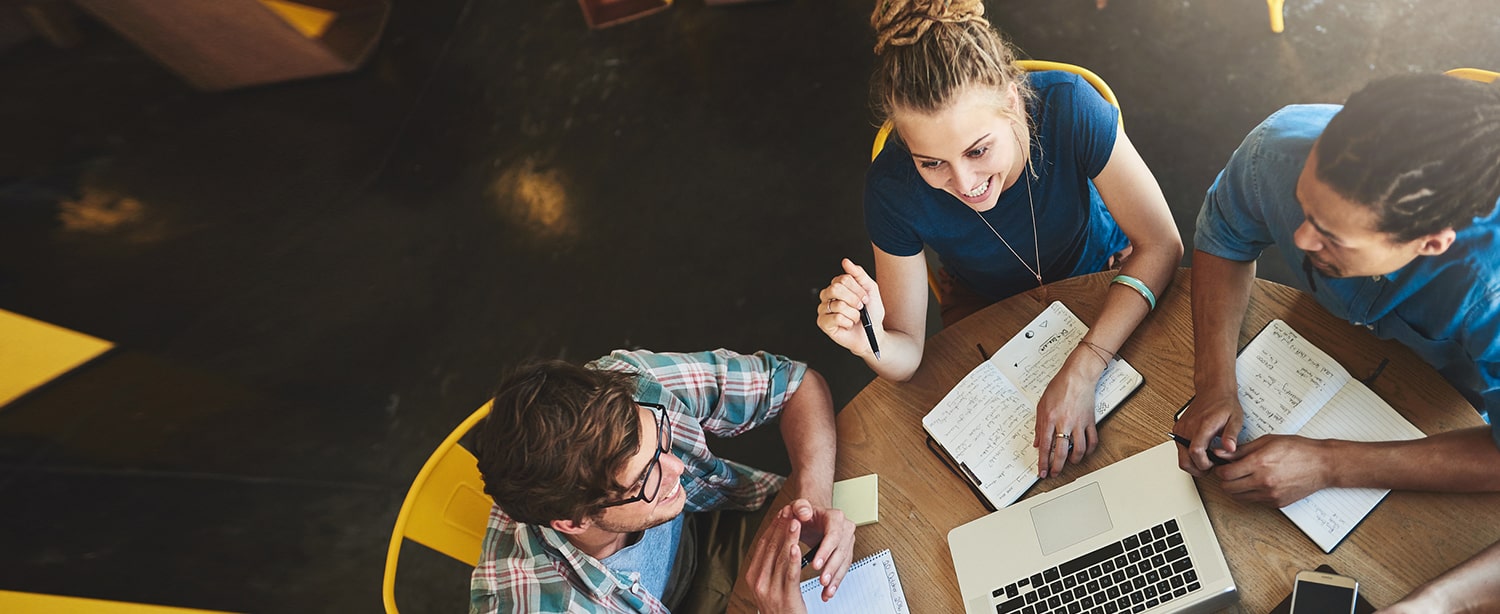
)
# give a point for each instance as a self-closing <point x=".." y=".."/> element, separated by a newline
<point x="1036" y="272"/>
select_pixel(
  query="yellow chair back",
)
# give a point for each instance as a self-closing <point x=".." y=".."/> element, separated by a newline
<point x="445" y="509"/>
<point x="1028" y="66"/>
<point x="1474" y="74"/>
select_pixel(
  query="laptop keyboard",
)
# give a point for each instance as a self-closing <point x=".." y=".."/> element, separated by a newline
<point x="1134" y="574"/>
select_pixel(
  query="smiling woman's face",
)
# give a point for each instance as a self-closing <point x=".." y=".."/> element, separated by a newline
<point x="971" y="149"/>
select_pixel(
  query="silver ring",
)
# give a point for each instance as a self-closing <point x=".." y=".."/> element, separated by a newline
<point x="830" y="305"/>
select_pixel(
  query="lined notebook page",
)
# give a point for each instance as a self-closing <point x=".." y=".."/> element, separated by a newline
<point x="987" y="421"/>
<point x="870" y="587"/>
<point x="986" y="425"/>
<point x="1356" y="413"/>
<point x="1287" y="385"/>
<point x="1283" y="380"/>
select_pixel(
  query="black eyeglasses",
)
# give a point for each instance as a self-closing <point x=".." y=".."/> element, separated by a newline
<point x="651" y="480"/>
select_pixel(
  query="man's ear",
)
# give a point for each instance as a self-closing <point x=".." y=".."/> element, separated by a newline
<point x="572" y="527"/>
<point x="1436" y="243"/>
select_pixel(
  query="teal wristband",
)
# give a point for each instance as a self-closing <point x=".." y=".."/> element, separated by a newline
<point x="1138" y="286"/>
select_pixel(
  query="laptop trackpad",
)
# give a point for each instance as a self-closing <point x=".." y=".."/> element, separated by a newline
<point x="1071" y="518"/>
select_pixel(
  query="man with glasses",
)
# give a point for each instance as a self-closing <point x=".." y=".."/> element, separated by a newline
<point x="1388" y="207"/>
<point x="591" y="469"/>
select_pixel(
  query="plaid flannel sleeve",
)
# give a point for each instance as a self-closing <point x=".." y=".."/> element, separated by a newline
<point x="728" y="392"/>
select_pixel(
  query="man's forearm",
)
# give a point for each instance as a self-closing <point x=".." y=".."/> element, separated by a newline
<point x="811" y="437"/>
<point x="1473" y="586"/>
<point x="1221" y="293"/>
<point x="1469" y="462"/>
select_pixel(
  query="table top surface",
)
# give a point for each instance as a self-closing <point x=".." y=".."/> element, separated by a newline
<point x="1406" y="540"/>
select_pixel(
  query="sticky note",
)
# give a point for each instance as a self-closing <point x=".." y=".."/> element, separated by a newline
<point x="859" y="499"/>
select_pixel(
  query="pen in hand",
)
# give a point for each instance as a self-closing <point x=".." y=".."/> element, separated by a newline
<point x="808" y="558"/>
<point x="1186" y="443"/>
<point x="864" y="318"/>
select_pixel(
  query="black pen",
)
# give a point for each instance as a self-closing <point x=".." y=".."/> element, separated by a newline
<point x="864" y="318"/>
<point x="1186" y="443"/>
<point x="807" y="558"/>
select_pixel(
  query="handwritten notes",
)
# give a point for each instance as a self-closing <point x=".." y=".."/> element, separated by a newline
<point x="870" y="587"/>
<point x="1288" y="385"/>
<point x="1283" y="381"/>
<point x="986" y="423"/>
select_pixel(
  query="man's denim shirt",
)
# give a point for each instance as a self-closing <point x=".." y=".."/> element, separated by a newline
<point x="1446" y="308"/>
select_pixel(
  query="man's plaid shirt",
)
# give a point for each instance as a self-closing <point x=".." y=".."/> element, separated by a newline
<point x="534" y="569"/>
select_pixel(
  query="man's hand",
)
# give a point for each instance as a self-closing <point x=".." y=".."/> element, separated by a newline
<point x="1276" y="469"/>
<point x="833" y="536"/>
<point x="774" y="566"/>
<point x="1205" y="419"/>
<point x="1410" y="606"/>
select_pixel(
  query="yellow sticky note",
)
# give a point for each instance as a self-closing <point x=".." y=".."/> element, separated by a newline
<point x="859" y="499"/>
<point x="33" y="352"/>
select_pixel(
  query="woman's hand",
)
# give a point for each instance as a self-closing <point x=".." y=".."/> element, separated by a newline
<point x="1065" y="429"/>
<point x="838" y="309"/>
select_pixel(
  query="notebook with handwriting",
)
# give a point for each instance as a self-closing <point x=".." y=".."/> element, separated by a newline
<point x="986" y="423"/>
<point x="870" y="587"/>
<point x="1289" y="386"/>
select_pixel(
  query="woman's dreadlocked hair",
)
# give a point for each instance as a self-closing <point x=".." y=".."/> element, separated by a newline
<point x="1422" y="150"/>
<point x="930" y="49"/>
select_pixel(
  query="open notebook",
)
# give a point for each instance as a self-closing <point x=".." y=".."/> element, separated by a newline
<point x="1289" y="386"/>
<point x="870" y="587"/>
<point x="986" y="423"/>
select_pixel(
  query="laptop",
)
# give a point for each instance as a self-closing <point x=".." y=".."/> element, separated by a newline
<point x="1131" y="537"/>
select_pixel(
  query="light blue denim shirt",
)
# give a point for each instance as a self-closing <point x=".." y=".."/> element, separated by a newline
<point x="1446" y="308"/>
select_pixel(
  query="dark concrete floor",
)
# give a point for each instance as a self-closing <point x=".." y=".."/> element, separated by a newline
<point x="311" y="283"/>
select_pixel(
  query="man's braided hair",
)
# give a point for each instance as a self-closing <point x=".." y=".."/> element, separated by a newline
<point x="1423" y="151"/>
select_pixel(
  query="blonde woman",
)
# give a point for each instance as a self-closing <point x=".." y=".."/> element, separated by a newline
<point x="1015" y="180"/>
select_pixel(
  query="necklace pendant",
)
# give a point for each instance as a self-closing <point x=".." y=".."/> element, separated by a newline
<point x="1039" y="281"/>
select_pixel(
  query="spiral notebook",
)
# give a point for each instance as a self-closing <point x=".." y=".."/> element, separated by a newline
<point x="870" y="587"/>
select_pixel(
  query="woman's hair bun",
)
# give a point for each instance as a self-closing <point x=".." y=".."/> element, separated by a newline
<point x="903" y="22"/>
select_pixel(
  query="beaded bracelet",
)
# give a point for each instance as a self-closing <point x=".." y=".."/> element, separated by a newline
<point x="1138" y="286"/>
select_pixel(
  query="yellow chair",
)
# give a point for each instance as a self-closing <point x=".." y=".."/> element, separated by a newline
<point x="1474" y="74"/>
<point x="12" y="602"/>
<point x="1277" y="25"/>
<point x="1028" y="66"/>
<point x="446" y="508"/>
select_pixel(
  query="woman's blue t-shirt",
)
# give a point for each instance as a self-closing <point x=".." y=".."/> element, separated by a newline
<point x="1074" y="134"/>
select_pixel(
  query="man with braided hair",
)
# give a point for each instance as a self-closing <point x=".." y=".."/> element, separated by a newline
<point x="1388" y="206"/>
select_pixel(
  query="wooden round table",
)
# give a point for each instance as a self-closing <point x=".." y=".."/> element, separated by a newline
<point x="1409" y="538"/>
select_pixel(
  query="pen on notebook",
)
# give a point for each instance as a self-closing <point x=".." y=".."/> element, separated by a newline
<point x="864" y="318"/>
<point x="1186" y="443"/>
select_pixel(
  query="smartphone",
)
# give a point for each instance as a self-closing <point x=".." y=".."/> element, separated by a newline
<point x="1323" y="593"/>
